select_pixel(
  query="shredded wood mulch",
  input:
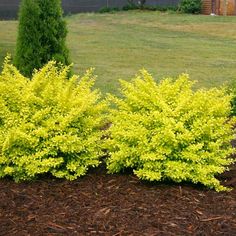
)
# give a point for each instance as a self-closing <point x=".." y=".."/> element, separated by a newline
<point x="101" y="204"/>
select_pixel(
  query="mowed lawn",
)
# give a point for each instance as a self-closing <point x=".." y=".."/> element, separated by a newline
<point x="166" y="44"/>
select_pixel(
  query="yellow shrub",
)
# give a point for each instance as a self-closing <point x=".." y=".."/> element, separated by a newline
<point x="48" y="124"/>
<point x="167" y="131"/>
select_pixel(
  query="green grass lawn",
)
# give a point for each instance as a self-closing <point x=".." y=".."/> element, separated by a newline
<point x="166" y="44"/>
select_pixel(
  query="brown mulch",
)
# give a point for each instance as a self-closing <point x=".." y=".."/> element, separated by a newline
<point x="101" y="204"/>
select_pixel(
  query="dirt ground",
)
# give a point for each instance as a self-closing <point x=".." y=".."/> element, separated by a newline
<point x="101" y="204"/>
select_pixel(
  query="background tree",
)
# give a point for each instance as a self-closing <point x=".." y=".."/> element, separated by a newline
<point x="41" y="35"/>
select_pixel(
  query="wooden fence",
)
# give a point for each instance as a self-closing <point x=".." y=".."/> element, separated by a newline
<point x="219" y="7"/>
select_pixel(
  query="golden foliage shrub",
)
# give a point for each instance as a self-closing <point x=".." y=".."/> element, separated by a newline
<point x="50" y="124"/>
<point x="168" y="131"/>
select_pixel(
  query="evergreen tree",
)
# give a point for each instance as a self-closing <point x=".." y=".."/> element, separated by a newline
<point x="41" y="35"/>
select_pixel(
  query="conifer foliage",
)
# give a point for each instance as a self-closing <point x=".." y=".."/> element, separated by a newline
<point x="41" y="35"/>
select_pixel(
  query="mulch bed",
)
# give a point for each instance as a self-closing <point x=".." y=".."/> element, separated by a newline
<point x="101" y="204"/>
